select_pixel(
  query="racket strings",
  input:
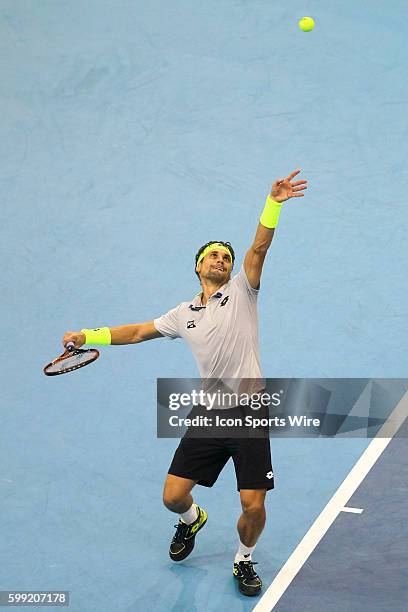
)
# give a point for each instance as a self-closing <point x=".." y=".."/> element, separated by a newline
<point x="71" y="361"/>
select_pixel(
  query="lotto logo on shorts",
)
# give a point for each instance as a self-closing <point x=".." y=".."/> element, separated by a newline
<point x="269" y="475"/>
<point x="190" y="324"/>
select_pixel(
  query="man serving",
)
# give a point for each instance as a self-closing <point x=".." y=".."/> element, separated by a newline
<point x="221" y="327"/>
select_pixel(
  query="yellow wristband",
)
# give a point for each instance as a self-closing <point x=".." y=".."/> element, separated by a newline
<point x="271" y="212"/>
<point x="100" y="335"/>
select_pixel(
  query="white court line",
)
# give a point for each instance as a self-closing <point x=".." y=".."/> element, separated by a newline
<point x="337" y="503"/>
<point x="353" y="510"/>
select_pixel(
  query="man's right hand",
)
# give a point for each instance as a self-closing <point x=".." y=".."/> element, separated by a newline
<point x="78" y="338"/>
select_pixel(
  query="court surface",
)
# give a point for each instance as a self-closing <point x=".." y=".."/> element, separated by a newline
<point x="131" y="134"/>
<point x="355" y="553"/>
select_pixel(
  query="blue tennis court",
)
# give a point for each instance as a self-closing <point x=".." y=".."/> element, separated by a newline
<point x="132" y="133"/>
<point x="355" y="553"/>
<point x="363" y="560"/>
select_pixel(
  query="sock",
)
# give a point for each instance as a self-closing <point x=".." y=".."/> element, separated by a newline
<point x="244" y="553"/>
<point x="190" y="516"/>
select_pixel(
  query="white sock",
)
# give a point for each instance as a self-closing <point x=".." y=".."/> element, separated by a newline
<point x="190" y="516"/>
<point x="244" y="553"/>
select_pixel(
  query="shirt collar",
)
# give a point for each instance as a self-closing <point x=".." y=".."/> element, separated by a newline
<point x="196" y="301"/>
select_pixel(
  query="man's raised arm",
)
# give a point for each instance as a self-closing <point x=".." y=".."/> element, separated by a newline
<point x="282" y="190"/>
<point x="124" y="334"/>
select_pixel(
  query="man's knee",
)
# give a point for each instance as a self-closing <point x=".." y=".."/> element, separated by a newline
<point x="176" y="494"/>
<point x="253" y="506"/>
<point x="172" y="499"/>
<point x="254" y="512"/>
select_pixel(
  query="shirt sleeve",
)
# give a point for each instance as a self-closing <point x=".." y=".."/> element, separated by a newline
<point x="241" y="280"/>
<point x="168" y="324"/>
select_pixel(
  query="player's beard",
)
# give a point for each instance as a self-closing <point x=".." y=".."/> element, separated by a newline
<point x="217" y="276"/>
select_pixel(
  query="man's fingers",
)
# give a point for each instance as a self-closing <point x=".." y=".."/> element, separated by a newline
<point x="299" y="183"/>
<point x="290" y="177"/>
<point x="299" y="188"/>
<point x="74" y="337"/>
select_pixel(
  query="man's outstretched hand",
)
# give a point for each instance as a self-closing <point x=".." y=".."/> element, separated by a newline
<point x="283" y="189"/>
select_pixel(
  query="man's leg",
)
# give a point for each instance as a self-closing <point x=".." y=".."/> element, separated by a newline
<point x="177" y="493"/>
<point x="252" y="520"/>
<point x="177" y="498"/>
<point x="196" y="461"/>
<point x="250" y="526"/>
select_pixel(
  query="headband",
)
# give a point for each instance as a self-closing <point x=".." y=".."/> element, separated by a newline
<point x="214" y="246"/>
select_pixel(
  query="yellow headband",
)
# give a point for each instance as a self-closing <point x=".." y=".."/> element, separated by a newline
<point x="214" y="246"/>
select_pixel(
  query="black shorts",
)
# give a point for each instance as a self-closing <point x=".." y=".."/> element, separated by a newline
<point x="203" y="458"/>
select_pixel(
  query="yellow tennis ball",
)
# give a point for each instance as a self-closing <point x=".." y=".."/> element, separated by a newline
<point x="306" y="24"/>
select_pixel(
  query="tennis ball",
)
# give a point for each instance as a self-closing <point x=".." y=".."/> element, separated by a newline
<point x="306" y="24"/>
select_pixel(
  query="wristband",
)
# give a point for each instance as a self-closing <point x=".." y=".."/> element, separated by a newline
<point x="271" y="212"/>
<point x="100" y="335"/>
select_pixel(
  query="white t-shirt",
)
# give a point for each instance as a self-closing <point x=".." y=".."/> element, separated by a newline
<point x="223" y="335"/>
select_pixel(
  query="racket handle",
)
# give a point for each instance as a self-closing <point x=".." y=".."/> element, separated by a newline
<point x="70" y="346"/>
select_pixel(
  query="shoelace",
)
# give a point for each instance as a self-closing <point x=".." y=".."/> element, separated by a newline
<point x="247" y="568"/>
<point x="182" y="530"/>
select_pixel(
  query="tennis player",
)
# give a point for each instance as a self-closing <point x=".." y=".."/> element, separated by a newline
<point x="221" y="327"/>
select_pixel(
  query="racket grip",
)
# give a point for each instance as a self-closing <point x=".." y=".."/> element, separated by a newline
<point x="70" y="345"/>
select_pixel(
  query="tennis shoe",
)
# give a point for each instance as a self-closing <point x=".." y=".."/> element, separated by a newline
<point x="184" y="539"/>
<point x="249" y="583"/>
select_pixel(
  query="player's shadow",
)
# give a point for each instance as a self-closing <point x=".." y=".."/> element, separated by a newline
<point x="187" y="580"/>
<point x="192" y="573"/>
<point x="191" y="576"/>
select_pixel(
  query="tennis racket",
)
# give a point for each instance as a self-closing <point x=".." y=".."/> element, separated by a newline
<point x="72" y="359"/>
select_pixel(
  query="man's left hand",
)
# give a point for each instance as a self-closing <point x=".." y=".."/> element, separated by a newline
<point x="283" y="189"/>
